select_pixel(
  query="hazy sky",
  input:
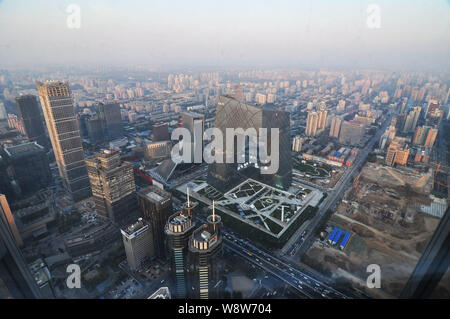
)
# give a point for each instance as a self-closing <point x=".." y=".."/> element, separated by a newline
<point x="314" y="33"/>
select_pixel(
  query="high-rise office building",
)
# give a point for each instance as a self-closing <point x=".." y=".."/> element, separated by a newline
<point x="29" y="114"/>
<point x="351" y="133"/>
<point x="232" y="113"/>
<point x="312" y="123"/>
<point x="205" y="251"/>
<point x="113" y="187"/>
<point x="111" y="120"/>
<point x="29" y="167"/>
<point x="16" y="280"/>
<point x="59" y="114"/>
<point x="8" y="217"/>
<point x="335" y="126"/>
<point x="138" y="242"/>
<point x="179" y="228"/>
<point x="95" y="130"/>
<point x="161" y="132"/>
<point x="156" y="207"/>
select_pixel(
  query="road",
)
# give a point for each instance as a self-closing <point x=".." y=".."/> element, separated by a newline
<point x="300" y="280"/>
<point x="304" y="283"/>
<point x="333" y="197"/>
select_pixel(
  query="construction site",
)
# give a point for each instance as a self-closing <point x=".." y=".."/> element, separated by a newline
<point x="383" y="212"/>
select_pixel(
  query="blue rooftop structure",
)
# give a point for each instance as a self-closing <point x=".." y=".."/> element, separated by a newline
<point x="344" y="240"/>
<point x="337" y="236"/>
<point x="333" y="233"/>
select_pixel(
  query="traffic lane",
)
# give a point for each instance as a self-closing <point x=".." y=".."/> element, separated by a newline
<point x="277" y="271"/>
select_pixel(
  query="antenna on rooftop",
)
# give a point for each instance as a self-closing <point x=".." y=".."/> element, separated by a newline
<point x="188" y="197"/>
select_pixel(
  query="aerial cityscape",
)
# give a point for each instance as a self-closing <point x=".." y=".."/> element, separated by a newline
<point x="127" y="173"/>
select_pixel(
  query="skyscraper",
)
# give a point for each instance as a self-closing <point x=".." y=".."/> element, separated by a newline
<point x="412" y="119"/>
<point x="9" y="220"/>
<point x="30" y="116"/>
<point x="113" y="186"/>
<point x="138" y="242"/>
<point x="95" y="130"/>
<point x="312" y="123"/>
<point x="322" y="122"/>
<point x="16" y="280"/>
<point x="161" y="132"/>
<point x="111" y="119"/>
<point x="335" y="126"/>
<point x="29" y="167"/>
<point x="59" y="114"/>
<point x="205" y="251"/>
<point x="232" y="113"/>
<point x="156" y="207"/>
<point x="178" y="229"/>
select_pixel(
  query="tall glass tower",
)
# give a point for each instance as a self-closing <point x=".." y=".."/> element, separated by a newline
<point x="59" y="114"/>
<point x="179" y="228"/>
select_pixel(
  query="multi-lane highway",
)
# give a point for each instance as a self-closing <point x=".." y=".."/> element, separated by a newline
<point x="303" y="282"/>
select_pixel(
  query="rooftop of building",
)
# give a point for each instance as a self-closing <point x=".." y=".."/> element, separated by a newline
<point x="155" y="194"/>
<point x="266" y="107"/>
<point x="193" y="114"/>
<point x="23" y="149"/>
<point x="179" y="218"/>
<point x="134" y="227"/>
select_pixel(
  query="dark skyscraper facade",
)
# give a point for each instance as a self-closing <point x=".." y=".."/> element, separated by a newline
<point x="29" y="113"/>
<point x="95" y="130"/>
<point x="59" y="114"/>
<point x="205" y="252"/>
<point x="111" y="119"/>
<point x="16" y="280"/>
<point x="161" y="132"/>
<point x="179" y="228"/>
<point x="29" y="167"/>
<point x="233" y="113"/>
<point x="155" y="205"/>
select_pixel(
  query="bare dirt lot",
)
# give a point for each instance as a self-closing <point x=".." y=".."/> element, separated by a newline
<point x="381" y="213"/>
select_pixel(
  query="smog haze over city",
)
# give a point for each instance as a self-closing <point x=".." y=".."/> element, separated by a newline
<point x="312" y="34"/>
<point x="255" y="154"/>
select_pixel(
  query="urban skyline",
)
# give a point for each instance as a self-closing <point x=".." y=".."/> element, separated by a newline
<point x="333" y="184"/>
